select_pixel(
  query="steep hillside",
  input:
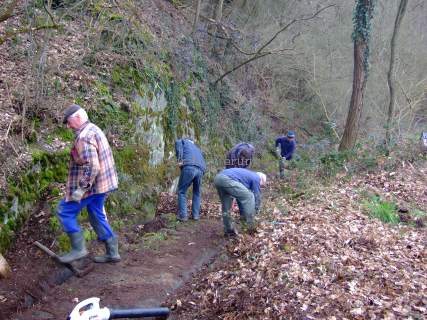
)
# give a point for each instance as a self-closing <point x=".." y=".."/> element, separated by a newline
<point x="146" y="77"/>
<point x="135" y="68"/>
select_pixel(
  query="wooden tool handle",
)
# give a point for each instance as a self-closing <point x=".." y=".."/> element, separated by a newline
<point x="46" y="249"/>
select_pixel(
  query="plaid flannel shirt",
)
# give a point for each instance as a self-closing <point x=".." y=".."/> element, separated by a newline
<point x="91" y="163"/>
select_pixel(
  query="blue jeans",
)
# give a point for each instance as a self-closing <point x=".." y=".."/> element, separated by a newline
<point x="68" y="212"/>
<point x="189" y="175"/>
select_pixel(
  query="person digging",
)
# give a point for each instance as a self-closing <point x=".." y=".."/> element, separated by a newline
<point x="239" y="156"/>
<point x="245" y="186"/>
<point x="192" y="164"/>
<point x="92" y="175"/>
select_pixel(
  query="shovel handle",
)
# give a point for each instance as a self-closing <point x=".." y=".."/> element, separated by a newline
<point x="78" y="272"/>
<point x="46" y="250"/>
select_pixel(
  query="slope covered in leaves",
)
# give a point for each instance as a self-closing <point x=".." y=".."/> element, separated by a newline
<point x="322" y="259"/>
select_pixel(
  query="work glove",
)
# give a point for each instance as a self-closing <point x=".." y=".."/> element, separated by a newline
<point x="77" y="194"/>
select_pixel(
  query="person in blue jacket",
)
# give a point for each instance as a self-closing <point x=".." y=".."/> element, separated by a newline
<point x="243" y="185"/>
<point x="285" y="146"/>
<point x="240" y="156"/>
<point x="192" y="164"/>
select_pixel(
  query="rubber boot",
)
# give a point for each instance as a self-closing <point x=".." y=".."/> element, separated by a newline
<point x="111" y="251"/>
<point x="78" y="248"/>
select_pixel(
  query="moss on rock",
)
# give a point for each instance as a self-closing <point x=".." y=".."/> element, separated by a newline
<point x="23" y="192"/>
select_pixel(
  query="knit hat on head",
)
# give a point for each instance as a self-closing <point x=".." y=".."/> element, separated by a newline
<point x="70" y="111"/>
<point x="290" y="134"/>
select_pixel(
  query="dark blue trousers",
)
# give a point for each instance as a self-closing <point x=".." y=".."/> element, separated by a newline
<point x="68" y="212"/>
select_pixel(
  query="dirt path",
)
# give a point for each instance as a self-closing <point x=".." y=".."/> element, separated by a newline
<point x="145" y="277"/>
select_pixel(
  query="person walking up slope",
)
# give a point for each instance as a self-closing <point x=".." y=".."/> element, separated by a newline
<point x="92" y="174"/>
<point x="285" y="149"/>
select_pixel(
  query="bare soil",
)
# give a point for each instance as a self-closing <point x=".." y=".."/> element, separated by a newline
<point x="149" y="273"/>
<point x="144" y="277"/>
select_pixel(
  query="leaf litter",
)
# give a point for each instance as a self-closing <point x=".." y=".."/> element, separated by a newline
<point x="324" y="259"/>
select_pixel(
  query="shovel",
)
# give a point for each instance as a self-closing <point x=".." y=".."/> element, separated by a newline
<point x="74" y="266"/>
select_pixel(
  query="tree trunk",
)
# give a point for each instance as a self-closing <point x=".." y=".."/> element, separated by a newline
<point x="349" y="137"/>
<point x="196" y="17"/>
<point x="390" y="74"/>
<point x="218" y="44"/>
<point x="363" y="14"/>
<point x="218" y="11"/>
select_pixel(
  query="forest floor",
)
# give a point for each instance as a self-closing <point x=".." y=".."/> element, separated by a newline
<point x="325" y="256"/>
<point x="157" y="258"/>
<point x="317" y="256"/>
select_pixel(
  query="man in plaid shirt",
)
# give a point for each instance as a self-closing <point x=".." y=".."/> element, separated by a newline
<point x="92" y="174"/>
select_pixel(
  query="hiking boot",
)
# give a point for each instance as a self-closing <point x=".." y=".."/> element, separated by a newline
<point x="78" y="248"/>
<point x="182" y="219"/>
<point x="111" y="251"/>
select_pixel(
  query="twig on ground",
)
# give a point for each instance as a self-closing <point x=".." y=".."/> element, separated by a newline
<point x="7" y="131"/>
<point x="13" y="148"/>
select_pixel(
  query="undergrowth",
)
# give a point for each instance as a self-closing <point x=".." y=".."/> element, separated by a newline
<point x="317" y="163"/>
<point x="385" y="211"/>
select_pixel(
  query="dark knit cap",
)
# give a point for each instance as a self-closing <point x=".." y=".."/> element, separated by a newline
<point x="69" y="111"/>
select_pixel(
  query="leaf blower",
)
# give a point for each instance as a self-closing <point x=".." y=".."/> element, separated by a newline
<point x="89" y="309"/>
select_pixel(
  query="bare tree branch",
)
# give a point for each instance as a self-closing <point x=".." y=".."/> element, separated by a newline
<point x="291" y="23"/>
<point x="218" y="11"/>
<point x="212" y="20"/>
<point x="10" y="34"/>
<point x="48" y="12"/>
<point x="241" y="65"/>
<point x="390" y="74"/>
<point x="325" y="110"/>
<point x="241" y="50"/>
<point x="196" y="16"/>
<point x="259" y="53"/>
